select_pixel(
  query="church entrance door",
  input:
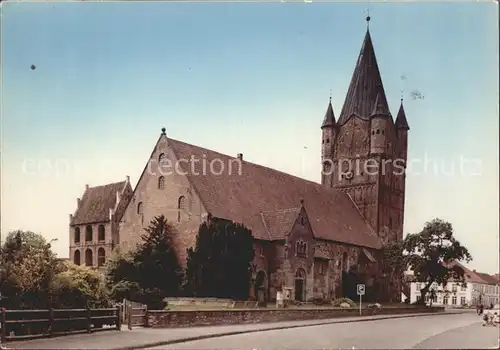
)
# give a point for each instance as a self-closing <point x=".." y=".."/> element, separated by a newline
<point x="300" y="281"/>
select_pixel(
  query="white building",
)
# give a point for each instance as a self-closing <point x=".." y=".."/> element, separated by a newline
<point x="479" y="288"/>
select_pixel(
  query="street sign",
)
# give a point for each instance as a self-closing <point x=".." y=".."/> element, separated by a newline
<point x="361" y="289"/>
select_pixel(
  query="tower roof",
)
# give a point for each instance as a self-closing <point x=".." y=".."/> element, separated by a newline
<point x="401" y="122"/>
<point x="380" y="107"/>
<point x="366" y="85"/>
<point x="329" y="116"/>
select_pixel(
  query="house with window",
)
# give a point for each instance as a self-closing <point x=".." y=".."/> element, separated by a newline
<point x="93" y="227"/>
<point x="479" y="288"/>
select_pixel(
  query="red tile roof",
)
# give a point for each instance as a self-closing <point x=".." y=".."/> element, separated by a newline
<point x="475" y="277"/>
<point x="96" y="202"/>
<point x="264" y="199"/>
<point x="488" y="279"/>
<point x="278" y="223"/>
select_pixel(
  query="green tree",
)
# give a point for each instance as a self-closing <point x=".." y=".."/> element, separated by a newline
<point x="149" y="273"/>
<point x="79" y="287"/>
<point x="431" y="255"/>
<point x="220" y="263"/>
<point x="28" y="267"/>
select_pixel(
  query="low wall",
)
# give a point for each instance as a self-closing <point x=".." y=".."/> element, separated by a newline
<point x="171" y="319"/>
<point x="215" y="302"/>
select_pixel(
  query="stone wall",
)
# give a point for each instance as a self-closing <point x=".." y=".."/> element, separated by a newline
<point x="173" y="319"/>
<point x="163" y="200"/>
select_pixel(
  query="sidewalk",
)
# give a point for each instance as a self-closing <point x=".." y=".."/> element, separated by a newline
<point x="150" y="337"/>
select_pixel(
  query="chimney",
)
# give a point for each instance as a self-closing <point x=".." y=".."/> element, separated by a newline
<point x="78" y="202"/>
<point x="127" y="178"/>
<point x="240" y="156"/>
<point x="86" y="187"/>
<point x="118" y="197"/>
<point x="111" y="213"/>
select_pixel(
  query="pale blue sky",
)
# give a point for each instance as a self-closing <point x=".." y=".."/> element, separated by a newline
<point x="251" y="78"/>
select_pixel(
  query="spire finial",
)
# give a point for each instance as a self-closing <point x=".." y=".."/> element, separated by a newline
<point x="368" y="18"/>
<point x="402" y="92"/>
<point x="330" y="95"/>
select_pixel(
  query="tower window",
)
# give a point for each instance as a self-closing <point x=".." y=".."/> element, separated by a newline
<point x="378" y="131"/>
<point x="327" y="140"/>
<point x="390" y="222"/>
<point x="382" y="132"/>
<point x="140" y="208"/>
<point x="161" y="182"/>
<point x="326" y="167"/>
<point x="373" y="132"/>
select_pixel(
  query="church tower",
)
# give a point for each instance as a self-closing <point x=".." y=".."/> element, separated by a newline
<point x="364" y="152"/>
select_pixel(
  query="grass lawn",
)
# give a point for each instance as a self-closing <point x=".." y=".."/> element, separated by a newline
<point x="272" y="306"/>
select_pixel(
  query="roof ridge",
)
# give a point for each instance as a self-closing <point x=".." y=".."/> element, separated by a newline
<point x="108" y="184"/>
<point x="285" y="210"/>
<point x="259" y="165"/>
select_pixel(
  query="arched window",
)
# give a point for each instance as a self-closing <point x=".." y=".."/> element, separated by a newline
<point x="77" y="235"/>
<point x="76" y="257"/>
<point x="101" y="234"/>
<point x="161" y="182"/>
<point x="88" y="257"/>
<point x="300" y="274"/>
<point x="181" y="205"/>
<point x="88" y="233"/>
<point x="301" y="248"/>
<point x="378" y="131"/>
<point x="101" y="257"/>
<point x="161" y="157"/>
<point x="140" y="208"/>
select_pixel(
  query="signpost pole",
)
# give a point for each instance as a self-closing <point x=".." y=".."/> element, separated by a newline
<point x="360" y="304"/>
<point x="361" y="291"/>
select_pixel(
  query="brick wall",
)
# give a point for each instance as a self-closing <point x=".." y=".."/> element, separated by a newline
<point x="163" y="201"/>
<point x="173" y="319"/>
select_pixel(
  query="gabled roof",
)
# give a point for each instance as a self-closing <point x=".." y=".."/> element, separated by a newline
<point x="488" y="279"/>
<point x="401" y="122"/>
<point x="244" y="194"/>
<point x="329" y="116"/>
<point x="366" y="84"/>
<point x="472" y="275"/>
<point x="278" y="223"/>
<point x="96" y="202"/>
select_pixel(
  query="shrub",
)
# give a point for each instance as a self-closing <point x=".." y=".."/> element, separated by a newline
<point x="338" y="301"/>
<point x="319" y="301"/>
<point x="374" y="306"/>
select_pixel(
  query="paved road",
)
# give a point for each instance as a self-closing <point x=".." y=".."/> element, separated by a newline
<point x="461" y="331"/>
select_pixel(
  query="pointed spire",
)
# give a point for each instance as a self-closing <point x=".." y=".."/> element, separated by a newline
<point x="329" y="115"/>
<point x="380" y="106"/>
<point x="366" y="84"/>
<point x="401" y="122"/>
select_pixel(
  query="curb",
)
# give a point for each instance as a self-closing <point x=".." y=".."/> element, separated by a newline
<point x="225" y="334"/>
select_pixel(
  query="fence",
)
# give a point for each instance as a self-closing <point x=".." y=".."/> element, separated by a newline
<point x="134" y="314"/>
<point x="31" y="324"/>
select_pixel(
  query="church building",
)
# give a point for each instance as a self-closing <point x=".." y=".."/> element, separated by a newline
<point x="309" y="236"/>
